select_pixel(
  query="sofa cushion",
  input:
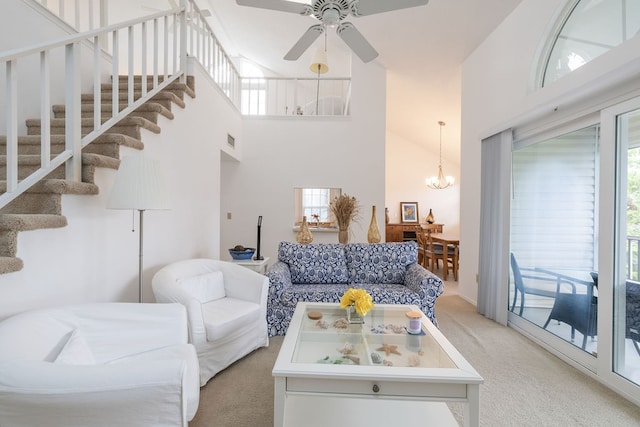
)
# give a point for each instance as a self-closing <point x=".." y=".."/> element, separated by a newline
<point x="388" y="293"/>
<point x="205" y="287"/>
<point x="379" y="262"/>
<point x="76" y="351"/>
<point x="318" y="263"/>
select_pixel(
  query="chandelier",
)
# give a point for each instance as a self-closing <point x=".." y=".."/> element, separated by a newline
<point x="441" y="181"/>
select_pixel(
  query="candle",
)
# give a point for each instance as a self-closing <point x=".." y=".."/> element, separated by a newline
<point x="413" y="326"/>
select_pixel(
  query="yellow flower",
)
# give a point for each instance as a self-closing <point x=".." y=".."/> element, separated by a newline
<point x="359" y="298"/>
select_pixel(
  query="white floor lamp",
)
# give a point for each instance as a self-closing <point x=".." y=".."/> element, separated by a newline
<point x="139" y="186"/>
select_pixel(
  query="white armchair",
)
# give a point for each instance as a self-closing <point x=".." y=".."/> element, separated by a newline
<point x="226" y="306"/>
<point x="104" y="364"/>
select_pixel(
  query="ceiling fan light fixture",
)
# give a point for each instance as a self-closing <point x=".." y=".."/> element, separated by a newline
<point x="440" y="181"/>
<point x="331" y="18"/>
<point x="319" y="64"/>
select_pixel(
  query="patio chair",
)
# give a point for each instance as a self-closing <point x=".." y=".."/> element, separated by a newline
<point x="532" y="284"/>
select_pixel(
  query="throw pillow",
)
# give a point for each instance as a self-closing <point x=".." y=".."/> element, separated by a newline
<point x="316" y="263"/>
<point x="76" y="351"/>
<point x="379" y="262"/>
<point x="205" y="287"/>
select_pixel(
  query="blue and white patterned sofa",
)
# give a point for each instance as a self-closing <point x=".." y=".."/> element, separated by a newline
<point x="322" y="272"/>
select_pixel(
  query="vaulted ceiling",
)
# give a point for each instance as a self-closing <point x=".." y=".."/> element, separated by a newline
<point x="422" y="49"/>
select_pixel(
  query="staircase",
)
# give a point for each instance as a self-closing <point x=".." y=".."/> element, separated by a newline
<point x="41" y="206"/>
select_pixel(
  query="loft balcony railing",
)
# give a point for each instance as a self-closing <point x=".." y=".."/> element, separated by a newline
<point x="156" y="47"/>
<point x="295" y="96"/>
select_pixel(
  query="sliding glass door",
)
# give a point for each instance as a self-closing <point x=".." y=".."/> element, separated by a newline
<point x="626" y="291"/>
<point x="553" y="290"/>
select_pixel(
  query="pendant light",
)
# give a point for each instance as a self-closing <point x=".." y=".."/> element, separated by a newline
<point x="441" y="181"/>
<point x="320" y="65"/>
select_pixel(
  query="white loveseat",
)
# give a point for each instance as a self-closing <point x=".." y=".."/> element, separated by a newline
<point x="226" y="305"/>
<point x="105" y="364"/>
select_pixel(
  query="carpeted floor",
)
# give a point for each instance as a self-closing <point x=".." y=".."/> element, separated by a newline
<point x="524" y="384"/>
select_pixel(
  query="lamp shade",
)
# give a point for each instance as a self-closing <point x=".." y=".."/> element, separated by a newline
<point x="138" y="185"/>
<point x="319" y="65"/>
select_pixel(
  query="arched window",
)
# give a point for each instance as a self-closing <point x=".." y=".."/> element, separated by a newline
<point x="591" y="28"/>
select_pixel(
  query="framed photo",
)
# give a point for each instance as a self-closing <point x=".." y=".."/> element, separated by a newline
<point x="409" y="212"/>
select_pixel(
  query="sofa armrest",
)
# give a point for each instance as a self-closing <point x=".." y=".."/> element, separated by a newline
<point x="129" y="393"/>
<point x="279" y="278"/>
<point x="427" y="285"/>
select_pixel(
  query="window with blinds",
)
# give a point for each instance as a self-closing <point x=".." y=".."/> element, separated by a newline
<point x="554" y="198"/>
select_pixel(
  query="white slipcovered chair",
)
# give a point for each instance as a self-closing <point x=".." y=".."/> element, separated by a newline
<point x="104" y="364"/>
<point x="226" y="306"/>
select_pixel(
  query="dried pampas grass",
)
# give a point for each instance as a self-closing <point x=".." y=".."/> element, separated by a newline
<point x="346" y="209"/>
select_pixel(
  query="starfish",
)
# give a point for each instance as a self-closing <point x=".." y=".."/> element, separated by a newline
<point x="389" y="349"/>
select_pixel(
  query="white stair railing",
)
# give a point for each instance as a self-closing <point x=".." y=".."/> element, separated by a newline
<point x="164" y="60"/>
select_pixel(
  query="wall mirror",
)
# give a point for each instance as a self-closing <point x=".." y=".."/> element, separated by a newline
<point x="314" y="204"/>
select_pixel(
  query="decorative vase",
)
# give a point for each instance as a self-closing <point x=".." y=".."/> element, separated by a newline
<point x="373" y="236"/>
<point x="304" y="235"/>
<point x="343" y="236"/>
<point x="353" y="316"/>
<point x="430" y="219"/>
<point x="386" y="215"/>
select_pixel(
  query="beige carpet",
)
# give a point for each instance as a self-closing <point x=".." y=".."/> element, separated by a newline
<point x="524" y="384"/>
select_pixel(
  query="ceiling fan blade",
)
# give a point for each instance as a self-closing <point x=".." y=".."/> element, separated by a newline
<point x="305" y="41"/>
<point x="369" y="7"/>
<point x="281" y="5"/>
<point x="356" y="41"/>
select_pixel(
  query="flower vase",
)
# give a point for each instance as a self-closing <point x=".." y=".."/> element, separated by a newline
<point x="304" y="235"/>
<point x="343" y="236"/>
<point x="430" y="219"/>
<point x="353" y="316"/>
<point x="373" y="236"/>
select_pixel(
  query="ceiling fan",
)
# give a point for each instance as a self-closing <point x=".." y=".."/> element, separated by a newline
<point x="331" y="13"/>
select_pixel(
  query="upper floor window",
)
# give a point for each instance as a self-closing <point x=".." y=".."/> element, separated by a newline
<point x="591" y="28"/>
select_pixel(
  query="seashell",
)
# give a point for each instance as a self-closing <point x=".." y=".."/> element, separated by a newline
<point x="387" y="362"/>
<point x="322" y="324"/>
<point x="414" y="361"/>
<point x="376" y="357"/>
<point x="354" y="359"/>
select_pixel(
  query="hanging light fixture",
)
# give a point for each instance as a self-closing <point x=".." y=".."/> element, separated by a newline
<point x="441" y="181"/>
<point x="320" y="65"/>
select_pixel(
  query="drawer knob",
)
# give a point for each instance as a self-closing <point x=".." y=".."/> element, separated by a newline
<point x="376" y="388"/>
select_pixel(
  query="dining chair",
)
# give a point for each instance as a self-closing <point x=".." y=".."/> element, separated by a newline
<point x="434" y="253"/>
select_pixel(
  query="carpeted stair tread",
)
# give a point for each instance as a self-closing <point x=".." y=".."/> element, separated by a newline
<point x="26" y="222"/>
<point x="191" y="82"/>
<point x="33" y="124"/>
<point x="162" y="96"/>
<point x="176" y="87"/>
<point x="107" y="108"/>
<point x="58" y="186"/>
<point x="30" y="144"/>
<point x="10" y="264"/>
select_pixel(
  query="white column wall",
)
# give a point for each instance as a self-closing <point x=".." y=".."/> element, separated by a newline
<point x="498" y="92"/>
<point x="280" y="153"/>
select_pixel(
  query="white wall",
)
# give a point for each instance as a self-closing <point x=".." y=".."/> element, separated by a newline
<point x="282" y="153"/>
<point x="408" y="165"/>
<point x="498" y="93"/>
<point x="95" y="258"/>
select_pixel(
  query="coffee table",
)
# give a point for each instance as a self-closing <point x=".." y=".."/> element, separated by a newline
<point x="326" y="374"/>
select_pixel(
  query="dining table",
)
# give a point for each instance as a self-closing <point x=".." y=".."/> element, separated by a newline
<point x="448" y="240"/>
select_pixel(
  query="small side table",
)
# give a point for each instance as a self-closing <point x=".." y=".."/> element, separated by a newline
<point x="259" y="266"/>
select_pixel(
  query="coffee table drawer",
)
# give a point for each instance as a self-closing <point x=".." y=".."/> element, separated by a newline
<point x="377" y="387"/>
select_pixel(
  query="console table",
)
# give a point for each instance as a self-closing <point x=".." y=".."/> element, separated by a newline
<point x="404" y="232"/>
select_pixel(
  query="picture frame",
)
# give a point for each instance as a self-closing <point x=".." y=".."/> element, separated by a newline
<point x="409" y="213"/>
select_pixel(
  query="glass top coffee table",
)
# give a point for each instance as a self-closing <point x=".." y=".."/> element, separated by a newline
<point x="329" y="371"/>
